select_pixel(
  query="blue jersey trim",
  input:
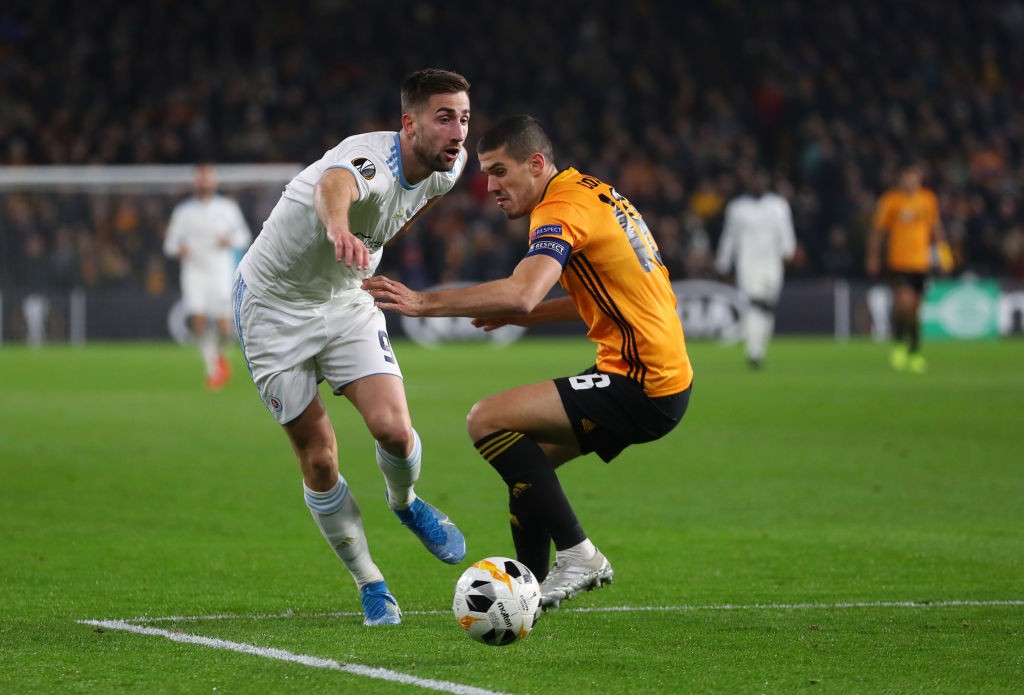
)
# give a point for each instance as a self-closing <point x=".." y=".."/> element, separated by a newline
<point x="395" y="162"/>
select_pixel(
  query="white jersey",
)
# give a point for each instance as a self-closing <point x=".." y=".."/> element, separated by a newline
<point x="293" y="260"/>
<point x="757" y="237"/>
<point x="209" y="232"/>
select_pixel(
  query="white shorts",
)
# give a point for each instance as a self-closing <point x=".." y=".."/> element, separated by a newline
<point x="206" y="295"/>
<point x="762" y="285"/>
<point x="290" y="349"/>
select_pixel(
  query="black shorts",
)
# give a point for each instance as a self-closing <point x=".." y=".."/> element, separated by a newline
<point x="609" y="412"/>
<point x="913" y="280"/>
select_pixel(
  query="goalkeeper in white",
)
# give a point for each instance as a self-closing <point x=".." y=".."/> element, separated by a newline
<point x="757" y="239"/>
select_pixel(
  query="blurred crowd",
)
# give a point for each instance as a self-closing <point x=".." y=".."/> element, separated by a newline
<point x="662" y="99"/>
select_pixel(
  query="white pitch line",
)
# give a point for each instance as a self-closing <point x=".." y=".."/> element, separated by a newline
<point x="604" y="609"/>
<point x="133" y="625"/>
<point x="303" y="659"/>
<point x="142" y="619"/>
<point x="800" y="606"/>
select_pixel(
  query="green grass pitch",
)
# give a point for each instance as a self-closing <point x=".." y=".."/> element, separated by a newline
<point x="823" y="525"/>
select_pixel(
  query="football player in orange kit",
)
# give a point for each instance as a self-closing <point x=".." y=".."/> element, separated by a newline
<point x="590" y="239"/>
<point x="908" y="217"/>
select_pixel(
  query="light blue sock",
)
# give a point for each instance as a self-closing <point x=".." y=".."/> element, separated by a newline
<point x="337" y="514"/>
<point x="401" y="474"/>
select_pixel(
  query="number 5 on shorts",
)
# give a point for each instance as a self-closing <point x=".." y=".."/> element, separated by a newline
<point x="589" y="381"/>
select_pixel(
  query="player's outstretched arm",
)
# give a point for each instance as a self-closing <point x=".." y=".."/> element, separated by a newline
<point x="509" y="298"/>
<point x="548" y="311"/>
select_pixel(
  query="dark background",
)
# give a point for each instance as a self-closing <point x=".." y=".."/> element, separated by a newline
<point x="663" y="99"/>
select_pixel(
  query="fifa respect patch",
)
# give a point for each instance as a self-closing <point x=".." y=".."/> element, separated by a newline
<point x="559" y="249"/>
<point x="546" y="230"/>
<point x="365" y="167"/>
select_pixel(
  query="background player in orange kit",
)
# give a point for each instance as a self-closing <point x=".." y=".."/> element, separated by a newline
<point x="907" y="216"/>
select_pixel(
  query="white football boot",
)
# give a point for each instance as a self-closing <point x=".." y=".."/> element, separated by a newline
<point x="567" y="579"/>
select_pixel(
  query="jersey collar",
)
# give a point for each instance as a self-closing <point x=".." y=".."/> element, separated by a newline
<point x="401" y="170"/>
<point x="568" y="171"/>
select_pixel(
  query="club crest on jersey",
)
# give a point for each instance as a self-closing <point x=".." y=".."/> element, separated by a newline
<point x="546" y="230"/>
<point x="365" y="167"/>
<point x="275" y="404"/>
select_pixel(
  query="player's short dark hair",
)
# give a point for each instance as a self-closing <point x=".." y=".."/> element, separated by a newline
<point x="521" y="136"/>
<point x="423" y="84"/>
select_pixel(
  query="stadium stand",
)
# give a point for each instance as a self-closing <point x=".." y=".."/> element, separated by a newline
<point x="663" y="98"/>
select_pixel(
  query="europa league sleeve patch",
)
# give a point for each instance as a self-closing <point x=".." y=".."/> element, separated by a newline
<point x="365" y="167"/>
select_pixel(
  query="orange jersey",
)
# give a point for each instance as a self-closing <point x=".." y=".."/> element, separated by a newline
<point x="908" y="219"/>
<point x="615" y="276"/>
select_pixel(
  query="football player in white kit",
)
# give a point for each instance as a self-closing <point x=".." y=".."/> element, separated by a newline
<point x="757" y="238"/>
<point x="204" y="233"/>
<point x="302" y="317"/>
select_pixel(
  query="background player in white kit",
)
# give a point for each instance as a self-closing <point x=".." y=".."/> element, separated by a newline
<point x="302" y="317"/>
<point x="204" y="233"/>
<point x="757" y="238"/>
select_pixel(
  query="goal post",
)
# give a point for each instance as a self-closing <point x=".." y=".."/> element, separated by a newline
<point x="168" y="178"/>
<point x="81" y="246"/>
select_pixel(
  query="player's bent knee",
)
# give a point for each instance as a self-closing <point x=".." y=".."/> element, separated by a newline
<point x="393" y="433"/>
<point x="478" y="421"/>
<point x="319" y="469"/>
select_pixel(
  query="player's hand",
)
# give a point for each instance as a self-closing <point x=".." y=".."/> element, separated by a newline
<point x="491" y="324"/>
<point x="392" y="295"/>
<point x="348" y="249"/>
<point x="873" y="266"/>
